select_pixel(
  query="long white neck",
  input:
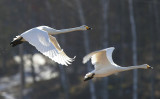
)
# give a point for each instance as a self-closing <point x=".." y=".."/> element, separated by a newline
<point x="144" y="66"/>
<point x="66" y="30"/>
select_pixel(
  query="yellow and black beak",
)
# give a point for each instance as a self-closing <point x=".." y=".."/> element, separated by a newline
<point x="149" y="67"/>
<point x="88" y="28"/>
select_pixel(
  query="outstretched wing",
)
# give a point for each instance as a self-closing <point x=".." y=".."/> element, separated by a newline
<point x="89" y="56"/>
<point x="45" y="45"/>
<point x="100" y="58"/>
<point x="109" y="52"/>
<point x="61" y="58"/>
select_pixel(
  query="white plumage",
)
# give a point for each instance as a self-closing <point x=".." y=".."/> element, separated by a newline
<point x="41" y="38"/>
<point x="104" y="65"/>
<point x="46" y="44"/>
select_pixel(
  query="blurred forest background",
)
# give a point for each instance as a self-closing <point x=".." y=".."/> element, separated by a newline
<point x="131" y="26"/>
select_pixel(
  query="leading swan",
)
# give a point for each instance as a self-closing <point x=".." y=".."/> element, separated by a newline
<point x="41" y="37"/>
<point x="104" y="65"/>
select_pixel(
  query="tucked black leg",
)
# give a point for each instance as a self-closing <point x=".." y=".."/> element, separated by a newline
<point x="85" y="79"/>
<point x="16" y="42"/>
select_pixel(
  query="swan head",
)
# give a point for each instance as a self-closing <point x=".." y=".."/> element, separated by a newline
<point x="85" y="27"/>
<point x="149" y="67"/>
<point x="89" y="76"/>
<point x="146" y="66"/>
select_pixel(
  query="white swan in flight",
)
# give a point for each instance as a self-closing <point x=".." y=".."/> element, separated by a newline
<point x="41" y="37"/>
<point x="104" y="65"/>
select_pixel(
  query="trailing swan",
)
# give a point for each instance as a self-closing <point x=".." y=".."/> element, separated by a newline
<point x="41" y="37"/>
<point x="104" y="65"/>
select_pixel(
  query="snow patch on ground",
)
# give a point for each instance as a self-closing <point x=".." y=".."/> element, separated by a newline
<point x="42" y="71"/>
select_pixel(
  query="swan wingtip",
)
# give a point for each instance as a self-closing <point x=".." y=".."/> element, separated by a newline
<point x="84" y="61"/>
<point x="74" y="57"/>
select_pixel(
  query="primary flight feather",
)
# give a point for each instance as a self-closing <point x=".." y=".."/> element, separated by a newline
<point x="41" y="37"/>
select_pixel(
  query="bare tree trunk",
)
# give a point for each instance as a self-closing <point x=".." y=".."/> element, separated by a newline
<point x="134" y="49"/>
<point x="152" y="83"/>
<point x="62" y="71"/>
<point x="31" y="22"/>
<point x="156" y="16"/>
<point x="64" y="81"/>
<point x="155" y="35"/>
<point x="33" y="71"/>
<point x="87" y="48"/>
<point x="122" y="29"/>
<point x="152" y="35"/>
<point x="105" y="7"/>
<point x="21" y="72"/>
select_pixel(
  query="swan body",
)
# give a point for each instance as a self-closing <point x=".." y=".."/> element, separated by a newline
<point x="41" y="37"/>
<point x="104" y="65"/>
